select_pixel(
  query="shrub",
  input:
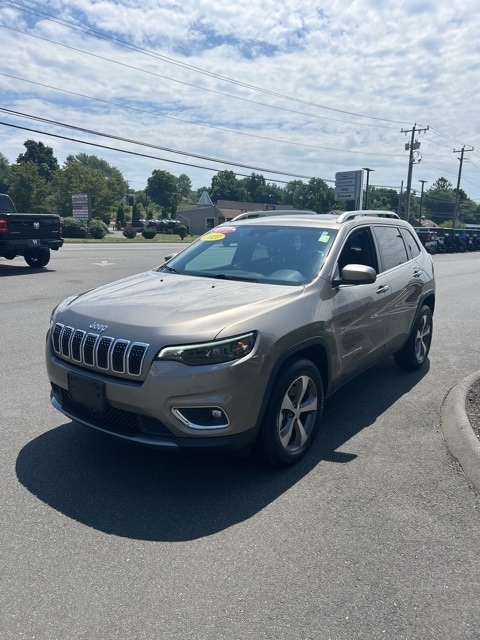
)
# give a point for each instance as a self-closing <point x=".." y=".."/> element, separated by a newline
<point x="97" y="229"/>
<point x="130" y="232"/>
<point x="182" y="231"/>
<point x="149" y="233"/>
<point x="73" y="228"/>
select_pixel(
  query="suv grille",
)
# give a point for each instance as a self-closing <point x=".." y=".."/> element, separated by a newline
<point x="108" y="354"/>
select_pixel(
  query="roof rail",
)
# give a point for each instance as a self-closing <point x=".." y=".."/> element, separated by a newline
<point x="350" y="215"/>
<point x="272" y="212"/>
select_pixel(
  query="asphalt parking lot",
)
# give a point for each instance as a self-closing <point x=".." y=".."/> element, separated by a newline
<point x="374" y="535"/>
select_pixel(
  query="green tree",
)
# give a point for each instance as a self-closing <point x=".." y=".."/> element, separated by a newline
<point x="381" y="198"/>
<point x="75" y="178"/>
<point x="120" y="219"/>
<point x="135" y="215"/>
<point x="184" y="186"/>
<point x="40" y="155"/>
<point x="319" y="196"/>
<point x="225" y="186"/>
<point x="163" y="190"/>
<point x="253" y="184"/>
<point x="439" y="201"/>
<point x="113" y="177"/>
<point x="270" y="194"/>
<point x="28" y="189"/>
<point x="4" y="173"/>
<point x="295" y="193"/>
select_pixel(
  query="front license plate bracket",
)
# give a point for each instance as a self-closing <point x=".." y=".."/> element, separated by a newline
<point x="87" y="392"/>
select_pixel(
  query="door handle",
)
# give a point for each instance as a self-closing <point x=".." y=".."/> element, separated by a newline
<point x="417" y="273"/>
<point x="383" y="288"/>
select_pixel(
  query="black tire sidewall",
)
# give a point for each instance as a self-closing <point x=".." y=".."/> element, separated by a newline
<point x="38" y="259"/>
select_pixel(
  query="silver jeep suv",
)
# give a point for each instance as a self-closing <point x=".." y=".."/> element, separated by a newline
<point x="237" y="340"/>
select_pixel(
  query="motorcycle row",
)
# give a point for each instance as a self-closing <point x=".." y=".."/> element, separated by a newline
<point x="440" y="240"/>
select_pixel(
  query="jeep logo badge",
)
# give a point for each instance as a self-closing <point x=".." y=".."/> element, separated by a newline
<point x="98" y="327"/>
<point x="36" y="225"/>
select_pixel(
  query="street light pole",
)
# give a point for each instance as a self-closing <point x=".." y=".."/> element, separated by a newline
<point x="421" y="203"/>
<point x="366" y="188"/>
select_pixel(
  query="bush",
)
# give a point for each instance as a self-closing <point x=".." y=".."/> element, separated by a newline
<point x="97" y="229"/>
<point x="130" y="232"/>
<point x="182" y="231"/>
<point x="73" y="228"/>
<point x="149" y="233"/>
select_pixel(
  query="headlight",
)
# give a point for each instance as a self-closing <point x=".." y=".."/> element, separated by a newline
<point x="214" y="352"/>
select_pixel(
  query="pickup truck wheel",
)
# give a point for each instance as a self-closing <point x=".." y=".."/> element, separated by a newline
<point x="415" y="352"/>
<point x="37" y="258"/>
<point x="293" y="414"/>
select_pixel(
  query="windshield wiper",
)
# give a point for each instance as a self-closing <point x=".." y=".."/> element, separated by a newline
<point x="226" y="276"/>
<point x="169" y="269"/>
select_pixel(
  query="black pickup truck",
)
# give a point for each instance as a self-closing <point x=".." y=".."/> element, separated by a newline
<point x="31" y="235"/>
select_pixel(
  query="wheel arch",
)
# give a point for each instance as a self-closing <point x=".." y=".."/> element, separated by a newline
<point x="312" y="350"/>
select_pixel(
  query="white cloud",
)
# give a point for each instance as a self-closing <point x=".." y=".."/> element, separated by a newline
<point x="399" y="63"/>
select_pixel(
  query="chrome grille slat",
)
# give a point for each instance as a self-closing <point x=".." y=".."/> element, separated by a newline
<point x="117" y="356"/>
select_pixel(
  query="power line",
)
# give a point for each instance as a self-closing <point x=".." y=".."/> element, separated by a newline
<point x="144" y="155"/>
<point x="184" y="65"/>
<point x="225" y="130"/>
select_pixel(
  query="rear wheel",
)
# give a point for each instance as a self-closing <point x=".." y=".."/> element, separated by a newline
<point x="293" y="415"/>
<point x="37" y="258"/>
<point x="415" y="352"/>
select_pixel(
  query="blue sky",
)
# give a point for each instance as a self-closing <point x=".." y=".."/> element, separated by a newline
<point x="280" y="87"/>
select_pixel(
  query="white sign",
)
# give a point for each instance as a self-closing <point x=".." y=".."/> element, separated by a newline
<point x="349" y="186"/>
<point x="81" y="206"/>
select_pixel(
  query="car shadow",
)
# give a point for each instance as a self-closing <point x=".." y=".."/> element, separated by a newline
<point x="19" y="269"/>
<point x="141" y="493"/>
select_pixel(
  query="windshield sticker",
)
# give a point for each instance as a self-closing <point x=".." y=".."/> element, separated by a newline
<point x="211" y="237"/>
<point x="227" y="229"/>
<point x="325" y="237"/>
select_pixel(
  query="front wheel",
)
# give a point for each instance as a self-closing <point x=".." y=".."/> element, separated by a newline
<point x="293" y="414"/>
<point x="415" y="352"/>
<point x="37" y="258"/>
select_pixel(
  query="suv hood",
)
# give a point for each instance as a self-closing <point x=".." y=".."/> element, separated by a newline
<point x="171" y="305"/>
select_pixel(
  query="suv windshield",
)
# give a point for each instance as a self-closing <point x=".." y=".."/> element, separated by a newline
<point x="272" y="254"/>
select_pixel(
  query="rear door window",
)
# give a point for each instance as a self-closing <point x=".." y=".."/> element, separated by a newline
<point x="412" y="243"/>
<point x="391" y="245"/>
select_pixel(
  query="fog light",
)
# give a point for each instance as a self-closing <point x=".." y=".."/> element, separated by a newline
<point x="202" y="417"/>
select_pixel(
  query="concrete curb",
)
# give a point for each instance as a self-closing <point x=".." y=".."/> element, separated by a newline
<point x="457" y="430"/>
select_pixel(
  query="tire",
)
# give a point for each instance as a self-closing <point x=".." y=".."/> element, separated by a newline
<point x="293" y="414"/>
<point x="37" y="258"/>
<point x="415" y="352"/>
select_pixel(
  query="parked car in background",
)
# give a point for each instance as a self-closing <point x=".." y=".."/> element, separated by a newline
<point x="237" y="340"/>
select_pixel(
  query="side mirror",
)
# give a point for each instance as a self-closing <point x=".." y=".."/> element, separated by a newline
<point x="356" y="274"/>
<point x="169" y="257"/>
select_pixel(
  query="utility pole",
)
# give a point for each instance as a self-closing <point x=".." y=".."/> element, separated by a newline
<point x="455" y="206"/>
<point x="366" y="188"/>
<point x="421" y="203"/>
<point x="413" y="146"/>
